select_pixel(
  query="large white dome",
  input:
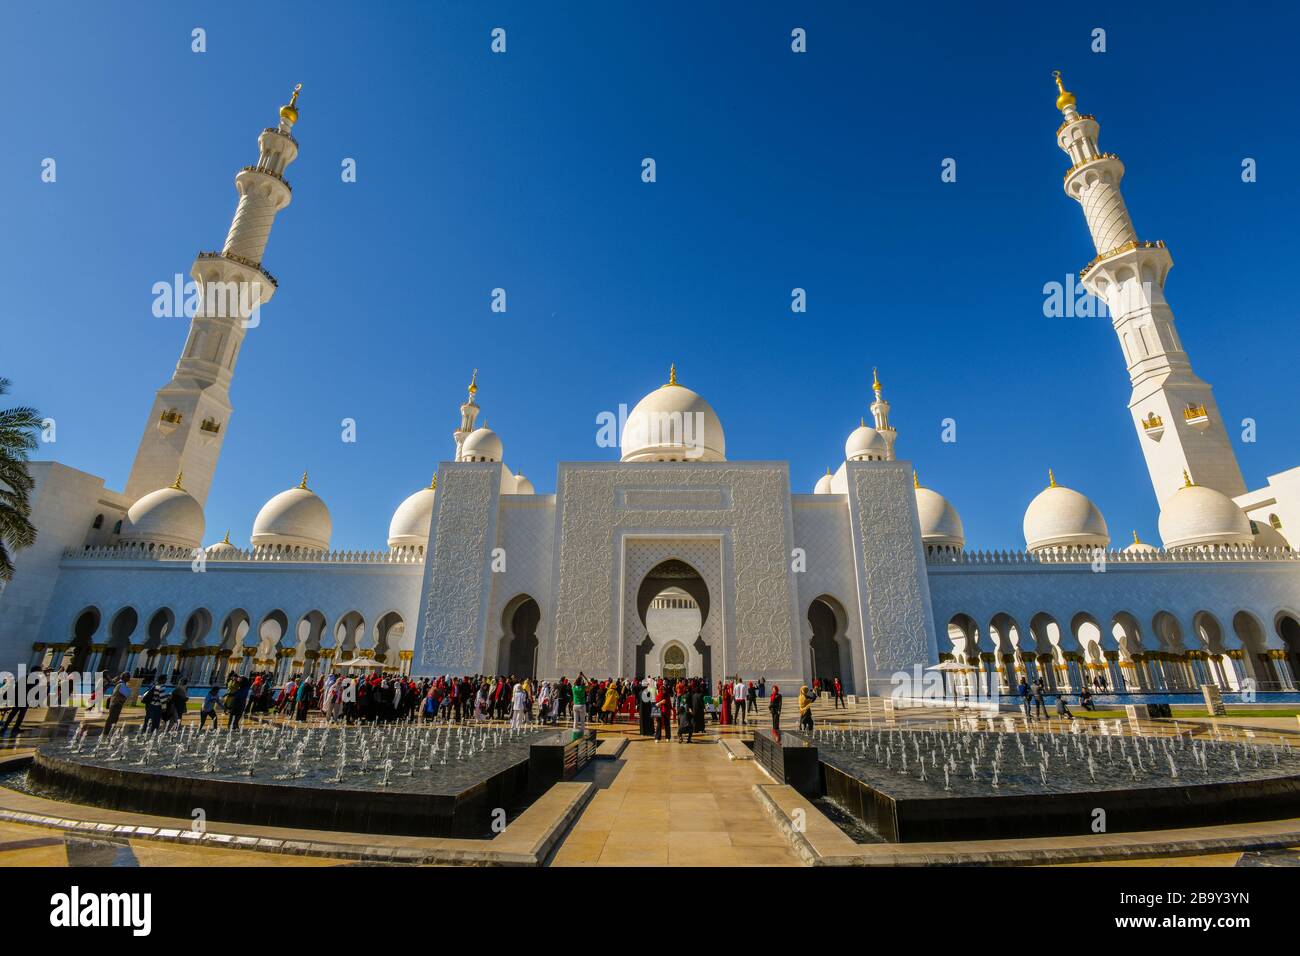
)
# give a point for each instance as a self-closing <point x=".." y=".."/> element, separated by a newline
<point x="1062" y="518"/>
<point x="673" y="423"/>
<point x="296" y="518"/>
<point x="482" y="444"/>
<point x="523" y="486"/>
<point x="940" y="524"/>
<point x="823" y="486"/>
<point x="866" y="444"/>
<point x="410" y="525"/>
<point x="168" y="516"/>
<point x="1197" y="516"/>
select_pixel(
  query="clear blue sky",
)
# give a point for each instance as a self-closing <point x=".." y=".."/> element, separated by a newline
<point x="522" y="171"/>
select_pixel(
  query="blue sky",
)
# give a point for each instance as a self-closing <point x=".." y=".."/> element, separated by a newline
<point x="522" y="171"/>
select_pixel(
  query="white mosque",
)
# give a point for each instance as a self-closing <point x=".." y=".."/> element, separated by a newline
<point x="673" y="559"/>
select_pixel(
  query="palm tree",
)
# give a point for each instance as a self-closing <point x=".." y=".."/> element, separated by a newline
<point x="18" y="428"/>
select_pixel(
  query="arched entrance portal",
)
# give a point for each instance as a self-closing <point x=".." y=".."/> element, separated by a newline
<point x="829" y="646"/>
<point x="518" y="651"/>
<point x="673" y="605"/>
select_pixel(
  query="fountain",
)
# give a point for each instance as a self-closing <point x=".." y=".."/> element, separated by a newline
<point x="392" y="778"/>
<point x="1149" y="781"/>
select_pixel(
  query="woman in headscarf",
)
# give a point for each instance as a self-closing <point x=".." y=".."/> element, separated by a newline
<point x="774" y="706"/>
<point x="805" y="708"/>
<point x="519" y="706"/>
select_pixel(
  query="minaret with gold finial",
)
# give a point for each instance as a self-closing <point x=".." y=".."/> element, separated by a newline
<point x="190" y="417"/>
<point x="468" y="413"/>
<point x="880" y="412"/>
<point x="1174" y="414"/>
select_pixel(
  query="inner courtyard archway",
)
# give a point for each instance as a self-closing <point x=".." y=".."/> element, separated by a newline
<point x="673" y="606"/>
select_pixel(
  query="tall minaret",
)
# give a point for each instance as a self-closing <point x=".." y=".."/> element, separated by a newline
<point x="1174" y="413"/>
<point x="468" y="412"/>
<point x="191" y="413"/>
<point x="880" y="412"/>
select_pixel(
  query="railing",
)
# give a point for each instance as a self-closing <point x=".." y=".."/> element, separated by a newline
<point x="1126" y="247"/>
<point x="1097" y="158"/>
<point x="263" y="554"/>
<point x="942" y="557"/>
<point x="280" y="132"/>
<point x="241" y="261"/>
<point x="267" y="172"/>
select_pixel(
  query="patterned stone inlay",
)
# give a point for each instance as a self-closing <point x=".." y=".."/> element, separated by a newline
<point x="891" y="568"/>
<point x="585" y="626"/>
<point x="453" y="584"/>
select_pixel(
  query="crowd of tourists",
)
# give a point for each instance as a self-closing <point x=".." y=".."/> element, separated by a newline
<point x="657" y="705"/>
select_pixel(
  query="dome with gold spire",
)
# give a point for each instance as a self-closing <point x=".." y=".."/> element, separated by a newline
<point x="169" y="517"/>
<point x="295" y="518"/>
<point x="410" y="525"/>
<point x="1196" y="516"/>
<point x="673" y="423"/>
<point x="1062" y="518"/>
<point x="941" y="525"/>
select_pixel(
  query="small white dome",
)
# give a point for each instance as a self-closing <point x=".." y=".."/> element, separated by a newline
<point x="1197" y="516"/>
<point x="673" y="423"/>
<point x="296" y="518"/>
<point x="410" y="525"/>
<point x="823" y="486"/>
<point x="940" y="524"/>
<point x="866" y="444"/>
<point x="482" y="444"/>
<point x="168" y="516"/>
<point x="221" y="547"/>
<point x="1140" y="546"/>
<point x="1062" y="518"/>
<point x="523" y="486"/>
<point x="1266" y="536"/>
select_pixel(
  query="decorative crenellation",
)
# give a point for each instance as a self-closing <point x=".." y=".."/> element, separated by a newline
<point x="1087" y="556"/>
<point x="261" y="553"/>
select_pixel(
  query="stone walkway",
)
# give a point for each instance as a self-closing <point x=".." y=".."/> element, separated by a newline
<point x="669" y="804"/>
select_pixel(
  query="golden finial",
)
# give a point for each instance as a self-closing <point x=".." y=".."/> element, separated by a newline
<point x="226" y="539"/>
<point x="1136" y="540"/>
<point x="1051" y="479"/>
<point x="473" y="384"/>
<point x="303" y="484"/>
<point x="289" y="113"/>
<point x="672" y="374"/>
<point x="1066" y="98"/>
<point x="177" y="483"/>
<point x="875" y="382"/>
<point x="862" y="422"/>
<point x="433" y="482"/>
<point x="1187" y="479"/>
<point x="916" y="480"/>
<point x="828" y="470"/>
